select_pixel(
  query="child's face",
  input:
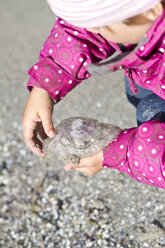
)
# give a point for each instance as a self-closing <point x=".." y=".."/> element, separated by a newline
<point x="122" y="33"/>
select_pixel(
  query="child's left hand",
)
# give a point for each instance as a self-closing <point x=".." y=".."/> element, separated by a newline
<point x="88" y="166"/>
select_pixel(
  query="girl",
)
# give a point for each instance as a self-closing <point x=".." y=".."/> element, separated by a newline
<point x="87" y="32"/>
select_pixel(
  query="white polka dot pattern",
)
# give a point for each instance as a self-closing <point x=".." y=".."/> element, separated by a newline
<point x="146" y="146"/>
<point x="74" y="48"/>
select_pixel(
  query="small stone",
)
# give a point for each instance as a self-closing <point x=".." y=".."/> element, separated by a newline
<point x="50" y="189"/>
<point x="55" y="214"/>
<point x="146" y="245"/>
<point x="3" y="165"/>
<point x="98" y="204"/>
<point x="43" y="231"/>
<point x="161" y="241"/>
<point x="30" y="163"/>
<point x="99" y="105"/>
<point x="105" y="235"/>
<point x="49" y="225"/>
<point x="89" y="244"/>
<point x="23" y="152"/>
<point x="158" y="223"/>
<point x="99" y="242"/>
<point x="96" y="212"/>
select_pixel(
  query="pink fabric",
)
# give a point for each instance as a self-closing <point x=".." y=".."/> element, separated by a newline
<point x="64" y="59"/>
<point x="140" y="153"/>
<point x="97" y="13"/>
<point x="73" y="49"/>
<point x="146" y="66"/>
<point x="63" y="65"/>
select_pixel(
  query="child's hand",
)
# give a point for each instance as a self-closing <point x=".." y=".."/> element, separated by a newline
<point x="88" y="166"/>
<point x="37" y="119"/>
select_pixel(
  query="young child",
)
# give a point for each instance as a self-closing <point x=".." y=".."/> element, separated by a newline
<point x="85" y="33"/>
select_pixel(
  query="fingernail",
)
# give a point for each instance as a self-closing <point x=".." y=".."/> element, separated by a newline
<point x="51" y="133"/>
<point x="68" y="168"/>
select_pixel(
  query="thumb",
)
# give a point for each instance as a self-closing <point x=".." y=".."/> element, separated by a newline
<point x="47" y="123"/>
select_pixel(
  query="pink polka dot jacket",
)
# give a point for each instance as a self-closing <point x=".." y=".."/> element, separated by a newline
<point x="139" y="152"/>
<point x="71" y="55"/>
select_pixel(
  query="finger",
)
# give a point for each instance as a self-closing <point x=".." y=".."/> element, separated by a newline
<point x="88" y="171"/>
<point x="36" y="146"/>
<point x="91" y="161"/>
<point x="70" y="166"/>
<point x="85" y="162"/>
<point x="30" y="138"/>
<point x="47" y="123"/>
<point x="41" y="131"/>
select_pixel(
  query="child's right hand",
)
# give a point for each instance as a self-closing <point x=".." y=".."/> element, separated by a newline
<point x="37" y="119"/>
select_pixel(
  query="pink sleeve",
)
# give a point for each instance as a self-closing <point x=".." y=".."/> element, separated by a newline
<point x="64" y="59"/>
<point x="139" y="152"/>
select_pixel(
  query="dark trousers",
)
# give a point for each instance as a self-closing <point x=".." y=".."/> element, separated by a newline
<point x="148" y="105"/>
